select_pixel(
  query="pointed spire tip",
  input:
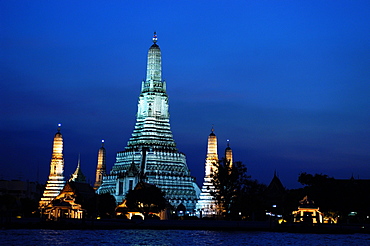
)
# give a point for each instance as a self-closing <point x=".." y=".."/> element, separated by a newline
<point x="155" y="37"/>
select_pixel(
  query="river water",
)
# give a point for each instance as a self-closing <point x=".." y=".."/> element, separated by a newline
<point x="173" y="237"/>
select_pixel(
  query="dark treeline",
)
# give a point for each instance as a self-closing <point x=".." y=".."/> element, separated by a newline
<point x="241" y="197"/>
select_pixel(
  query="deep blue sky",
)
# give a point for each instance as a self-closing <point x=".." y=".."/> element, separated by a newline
<point x="286" y="81"/>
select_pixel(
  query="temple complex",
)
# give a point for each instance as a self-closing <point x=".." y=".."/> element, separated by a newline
<point x="56" y="181"/>
<point x="151" y="155"/>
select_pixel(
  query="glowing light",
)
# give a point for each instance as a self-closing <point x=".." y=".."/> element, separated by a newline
<point x="352" y="214"/>
<point x="102" y="140"/>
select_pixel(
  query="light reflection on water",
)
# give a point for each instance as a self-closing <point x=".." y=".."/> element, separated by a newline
<point x="173" y="237"/>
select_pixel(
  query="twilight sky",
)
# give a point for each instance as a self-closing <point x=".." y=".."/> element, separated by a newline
<point x="286" y="81"/>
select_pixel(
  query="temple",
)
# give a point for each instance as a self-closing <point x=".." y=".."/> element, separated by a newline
<point x="308" y="212"/>
<point x="151" y="155"/>
<point x="56" y="181"/>
<point x="70" y="203"/>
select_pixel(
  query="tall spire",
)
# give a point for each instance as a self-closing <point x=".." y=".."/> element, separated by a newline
<point x="206" y="202"/>
<point x="155" y="37"/>
<point x="154" y="64"/>
<point x="229" y="153"/>
<point x="56" y="181"/>
<point x="58" y="149"/>
<point x="152" y="127"/>
<point x="100" y="168"/>
<point x="212" y="156"/>
<point x="78" y="176"/>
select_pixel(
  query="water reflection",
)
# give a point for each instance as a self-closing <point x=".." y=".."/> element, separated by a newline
<point x="173" y="237"/>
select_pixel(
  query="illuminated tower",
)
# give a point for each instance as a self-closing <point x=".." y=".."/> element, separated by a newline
<point x="151" y="149"/>
<point x="207" y="203"/>
<point x="100" y="168"/>
<point x="229" y="154"/>
<point x="56" y="179"/>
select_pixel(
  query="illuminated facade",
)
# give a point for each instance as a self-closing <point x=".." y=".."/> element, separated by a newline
<point x="101" y="170"/>
<point x="56" y="179"/>
<point x="207" y="204"/>
<point x="229" y="154"/>
<point x="307" y="212"/>
<point x="151" y="154"/>
<point x="69" y="203"/>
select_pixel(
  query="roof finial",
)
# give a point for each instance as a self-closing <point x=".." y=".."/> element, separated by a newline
<point x="102" y="142"/>
<point x="78" y="163"/>
<point x="212" y="128"/>
<point x="228" y="143"/>
<point x="155" y="37"/>
<point x="59" y="125"/>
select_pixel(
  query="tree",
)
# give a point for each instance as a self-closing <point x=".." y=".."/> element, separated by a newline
<point x="320" y="188"/>
<point x="253" y="200"/>
<point x="28" y="206"/>
<point x="231" y="182"/>
<point x="146" y="198"/>
<point x="106" y="205"/>
<point x="8" y="204"/>
<point x="313" y="180"/>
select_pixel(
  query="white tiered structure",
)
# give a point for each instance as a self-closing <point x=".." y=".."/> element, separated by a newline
<point x="56" y="179"/>
<point x="151" y="154"/>
<point x="207" y="204"/>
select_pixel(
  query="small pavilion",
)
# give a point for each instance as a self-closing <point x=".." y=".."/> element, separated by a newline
<point x="308" y="212"/>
